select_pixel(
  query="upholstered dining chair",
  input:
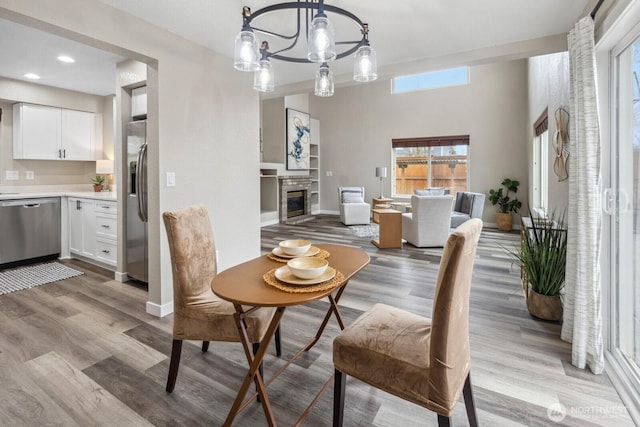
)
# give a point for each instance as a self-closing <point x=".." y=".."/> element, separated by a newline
<point x="198" y="314"/>
<point x="425" y="361"/>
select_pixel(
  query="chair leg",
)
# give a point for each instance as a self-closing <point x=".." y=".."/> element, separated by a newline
<point x="469" y="402"/>
<point x="175" y="363"/>
<point x="444" y="421"/>
<point x="277" y="340"/>
<point x="205" y="346"/>
<point x="339" y="387"/>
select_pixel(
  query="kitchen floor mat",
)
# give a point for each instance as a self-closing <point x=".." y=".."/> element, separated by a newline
<point x="34" y="275"/>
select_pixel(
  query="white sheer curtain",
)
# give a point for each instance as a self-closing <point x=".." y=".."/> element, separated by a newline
<point x="582" y="325"/>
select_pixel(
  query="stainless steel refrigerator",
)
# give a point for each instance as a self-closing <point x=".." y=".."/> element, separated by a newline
<point x="137" y="251"/>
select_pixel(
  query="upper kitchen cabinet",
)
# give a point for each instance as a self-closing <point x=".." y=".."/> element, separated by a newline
<point x="36" y="132"/>
<point x="77" y="135"/>
<point x="50" y="133"/>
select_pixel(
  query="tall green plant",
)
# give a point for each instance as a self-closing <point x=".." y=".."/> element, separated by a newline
<point x="543" y="254"/>
<point x="501" y="198"/>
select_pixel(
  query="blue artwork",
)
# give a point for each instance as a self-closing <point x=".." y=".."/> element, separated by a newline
<point x="297" y="140"/>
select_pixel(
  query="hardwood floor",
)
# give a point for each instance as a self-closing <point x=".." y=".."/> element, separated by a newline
<point x="83" y="352"/>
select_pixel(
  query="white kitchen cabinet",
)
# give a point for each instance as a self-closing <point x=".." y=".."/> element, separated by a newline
<point x="50" y="133"/>
<point x="77" y="135"/>
<point x="139" y="103"/>
<point x="93" y="229"/>
<point x="36" y="132"/>
<point x="106" y="233"/>
<point x="82" y="227"/>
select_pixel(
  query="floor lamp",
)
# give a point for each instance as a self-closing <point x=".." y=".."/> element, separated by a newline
<point x="381" y="172"/>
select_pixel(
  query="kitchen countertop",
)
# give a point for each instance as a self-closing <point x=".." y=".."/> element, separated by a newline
<point x="102" y="195"/>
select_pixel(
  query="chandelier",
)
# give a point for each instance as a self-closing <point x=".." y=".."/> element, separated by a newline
<point x="320" y="40"/>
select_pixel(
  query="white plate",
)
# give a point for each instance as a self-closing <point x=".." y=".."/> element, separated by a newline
<point x="285" y="275"/>
<point x="280" y="253"/>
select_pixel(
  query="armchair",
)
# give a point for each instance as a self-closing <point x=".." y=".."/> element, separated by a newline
<point x="468" y="205"/>
<point x="428" y="223"/>
<point x="353" y="209"/>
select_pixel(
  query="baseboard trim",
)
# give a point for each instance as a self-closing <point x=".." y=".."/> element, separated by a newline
<point x="159" y="310"/>
<point x="121" y="277"/>
<point x="494" y="225"/>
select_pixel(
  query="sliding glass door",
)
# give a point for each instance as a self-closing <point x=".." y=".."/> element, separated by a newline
<point x="622" y="201"/>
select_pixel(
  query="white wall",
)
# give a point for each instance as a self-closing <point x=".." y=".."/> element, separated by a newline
<point x="548" y="88"/>
<point x="358" y="123"/>
<point x="203" y="118"/>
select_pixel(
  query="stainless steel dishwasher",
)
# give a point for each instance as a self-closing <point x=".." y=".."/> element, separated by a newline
<point x="29" y="228"/>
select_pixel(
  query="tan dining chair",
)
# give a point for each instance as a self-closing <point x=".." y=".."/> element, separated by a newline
<point x="198" y="314"/>
<point x="425" y="361"/>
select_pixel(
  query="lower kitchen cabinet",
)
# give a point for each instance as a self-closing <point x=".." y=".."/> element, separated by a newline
<point x="82" y="226"/>
<point x="106" y="233"/>
<point x="93" y="229"/>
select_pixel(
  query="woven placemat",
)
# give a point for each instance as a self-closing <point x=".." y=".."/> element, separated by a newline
<point x="270" y="279"/>
<point x="322" y="254"/>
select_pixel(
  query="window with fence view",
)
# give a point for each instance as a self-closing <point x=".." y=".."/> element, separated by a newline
<point x="430" y="162"/>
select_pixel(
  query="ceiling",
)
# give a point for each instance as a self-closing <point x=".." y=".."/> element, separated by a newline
<point x="408" y="31"/>
<point x="25" y="50"/>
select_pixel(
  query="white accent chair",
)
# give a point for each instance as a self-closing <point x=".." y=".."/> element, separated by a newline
<point x="428" y="223"/>
<point x="353" y="209"/>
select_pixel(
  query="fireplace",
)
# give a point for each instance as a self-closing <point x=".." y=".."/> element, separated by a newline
<point x="295" y="199"/>
<point x="295" y="203"/>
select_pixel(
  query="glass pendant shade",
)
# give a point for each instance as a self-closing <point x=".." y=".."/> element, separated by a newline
<point x="365" y="68"/>
<point x="263" y="77"/>
<point x="324" y="81"/>
<point x="246" y="51"/>
<point x="321" y="40"/>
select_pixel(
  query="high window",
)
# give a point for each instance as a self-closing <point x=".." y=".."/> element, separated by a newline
<point x="430" y="162"/>
<point x="430" y="80"/>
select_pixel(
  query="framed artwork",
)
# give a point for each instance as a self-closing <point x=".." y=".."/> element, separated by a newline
<point x="297" y="140"/>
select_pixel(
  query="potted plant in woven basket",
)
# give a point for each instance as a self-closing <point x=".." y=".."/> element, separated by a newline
<point x="542" y="257"/>
<point x="505" y="204"/>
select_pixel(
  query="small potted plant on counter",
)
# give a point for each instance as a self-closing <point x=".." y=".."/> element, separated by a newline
<point x="505" y="205"/>
<point x="98" y="183"/>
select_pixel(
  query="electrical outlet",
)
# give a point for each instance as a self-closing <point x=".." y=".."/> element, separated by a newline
<point x="31" y="175"/>
<point x="12" y="175"/>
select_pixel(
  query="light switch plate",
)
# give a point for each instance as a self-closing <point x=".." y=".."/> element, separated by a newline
<point x="171" y="179"/>
<point x="12" y="175"/>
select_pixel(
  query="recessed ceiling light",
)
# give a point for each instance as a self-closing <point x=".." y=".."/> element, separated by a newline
<point x="65" y="58"/>
<point x="33" y="76"/>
